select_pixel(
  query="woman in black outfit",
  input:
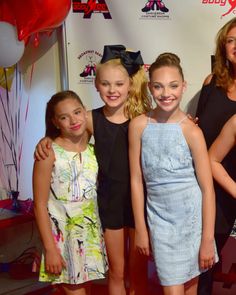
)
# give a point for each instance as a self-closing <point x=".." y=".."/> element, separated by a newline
<point x="217" y="103"/>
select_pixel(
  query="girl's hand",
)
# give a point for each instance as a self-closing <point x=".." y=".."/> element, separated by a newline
<point x="195" y="119"/>
<point x="142" y="242"/>
<point x="54" y="263"/>
<point x="207" y="254"/>
<point x="41" y="150"/>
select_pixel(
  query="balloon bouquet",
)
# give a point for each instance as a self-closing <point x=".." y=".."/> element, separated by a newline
<point x="19" y="20"/>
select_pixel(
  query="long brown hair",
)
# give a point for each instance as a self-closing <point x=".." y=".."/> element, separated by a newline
<point x="222" y="68"/>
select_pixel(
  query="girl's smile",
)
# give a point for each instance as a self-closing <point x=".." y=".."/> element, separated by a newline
<point x="70" y="117"/>
<point x="113" y="84"/>
<point x="167" y="86"/>
<point x="165" y="100"/>
<point x="76" y="127"/>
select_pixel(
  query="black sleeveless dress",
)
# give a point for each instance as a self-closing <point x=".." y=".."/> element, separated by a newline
<point x="214" y="109"/>
<point x="111" y="149"/>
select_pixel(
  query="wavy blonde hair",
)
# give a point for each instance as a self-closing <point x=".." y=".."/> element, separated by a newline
<point x="222" y="68"/>
<point x="139" y="100"/>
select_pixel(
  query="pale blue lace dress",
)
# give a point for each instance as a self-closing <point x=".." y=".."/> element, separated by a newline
<point x="174" y="202"/>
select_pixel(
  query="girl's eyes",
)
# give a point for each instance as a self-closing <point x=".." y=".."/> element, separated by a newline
<point x="174" y="86"/>
<point x="117" y="84"/>
<point x="77" y="112"/>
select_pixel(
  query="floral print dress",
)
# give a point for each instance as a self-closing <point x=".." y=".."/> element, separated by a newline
<point x="73" y="212"/>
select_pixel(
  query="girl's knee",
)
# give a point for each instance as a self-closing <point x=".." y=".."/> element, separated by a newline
<point x="116" y="274"/>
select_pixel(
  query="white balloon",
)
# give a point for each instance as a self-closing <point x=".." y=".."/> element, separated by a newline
<point x="11" y="49"/>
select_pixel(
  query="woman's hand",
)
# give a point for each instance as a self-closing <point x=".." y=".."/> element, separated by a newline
<point x="194" y="119"/>
<point x="42" y="149"/>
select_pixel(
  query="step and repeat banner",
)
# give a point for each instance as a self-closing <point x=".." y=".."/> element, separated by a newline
<point x="185" y="27"/>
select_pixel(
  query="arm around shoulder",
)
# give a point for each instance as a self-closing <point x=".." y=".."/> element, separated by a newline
<point x="42" y="148"/>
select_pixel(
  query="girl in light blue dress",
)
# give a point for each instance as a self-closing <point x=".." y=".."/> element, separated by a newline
<point x="168" y="151"/>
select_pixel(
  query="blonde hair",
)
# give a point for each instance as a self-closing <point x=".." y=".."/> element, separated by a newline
<point x="138" y="101"/>
<point x="222" y="68"/>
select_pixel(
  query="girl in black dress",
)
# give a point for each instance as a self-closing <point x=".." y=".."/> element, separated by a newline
<point x="122" y="85"/>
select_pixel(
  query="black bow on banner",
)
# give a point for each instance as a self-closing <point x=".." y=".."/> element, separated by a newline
<point x="130" y="60"/>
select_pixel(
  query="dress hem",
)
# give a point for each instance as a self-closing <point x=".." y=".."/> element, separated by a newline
<point x="72" y="283"/>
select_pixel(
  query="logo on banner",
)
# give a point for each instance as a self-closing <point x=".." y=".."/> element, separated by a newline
<point x="231" y="9"/>
<point x="155" y="9"/>
<point x="90" y="7"/>
<point x="88" y="59"/>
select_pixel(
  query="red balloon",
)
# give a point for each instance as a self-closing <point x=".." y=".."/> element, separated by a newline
<point x="33" y="16"/>
<point x="6" y="13"/>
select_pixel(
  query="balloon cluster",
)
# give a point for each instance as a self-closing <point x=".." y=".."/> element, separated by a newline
<point x="19" y="20"/>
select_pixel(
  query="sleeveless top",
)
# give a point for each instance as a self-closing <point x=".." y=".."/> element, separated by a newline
<point x="72" y="208"/>
<point x="111" y="149"/>
<point x="174" y="202"/>
<point x="214" y="109"/>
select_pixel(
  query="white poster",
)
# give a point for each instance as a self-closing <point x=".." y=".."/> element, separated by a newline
<point x="185" y="27"/>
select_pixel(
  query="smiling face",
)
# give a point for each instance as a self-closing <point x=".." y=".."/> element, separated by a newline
<point x="70" y="118"/>
<point x="167" y="86"/>
<point x="113" y="85"/>
<point x="230" y="46"/>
